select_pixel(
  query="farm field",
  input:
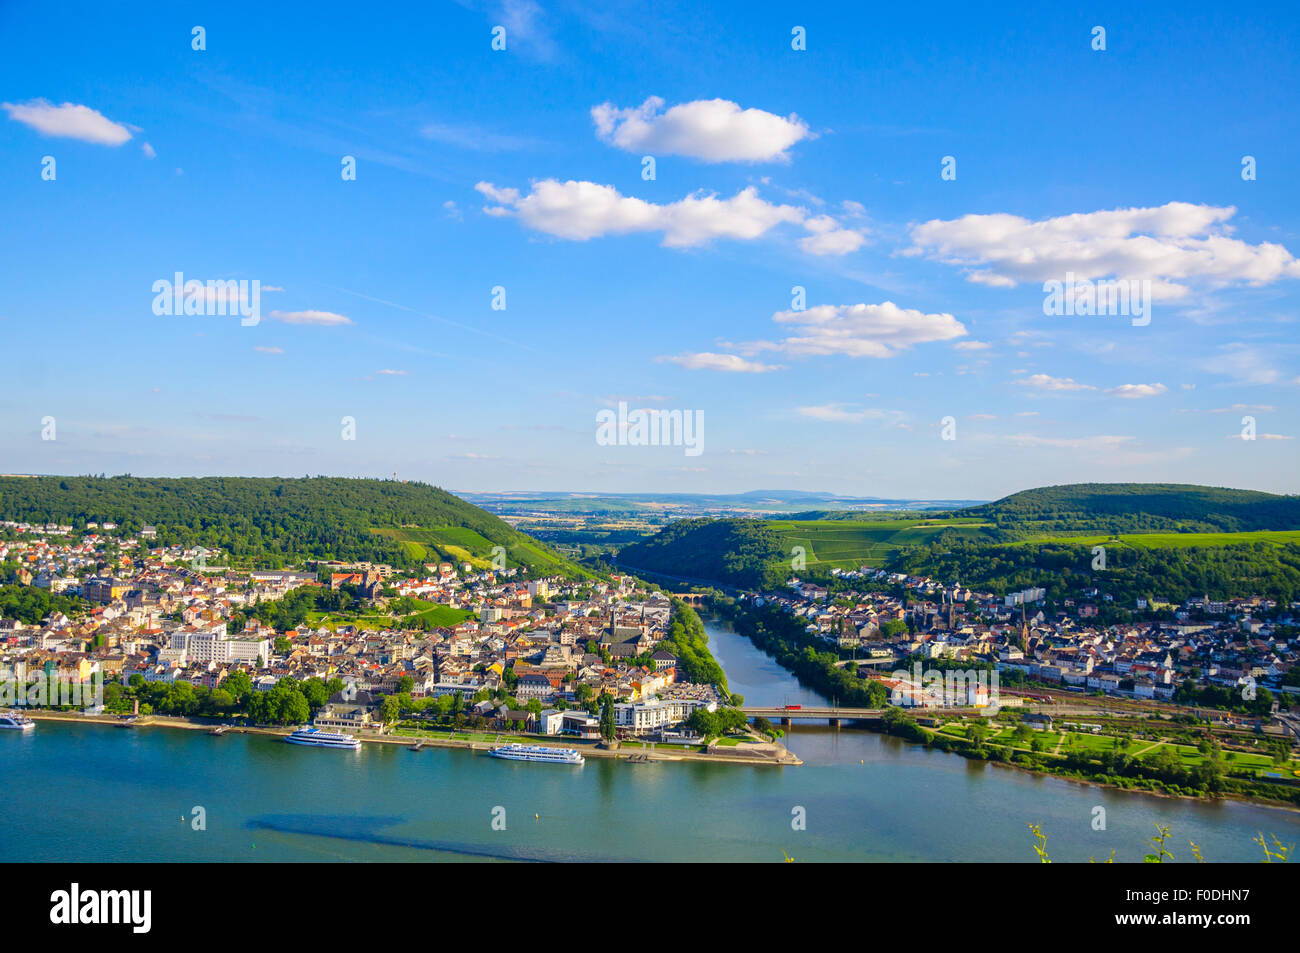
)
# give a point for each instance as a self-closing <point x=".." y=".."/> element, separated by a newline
<point x="1172" y="540"/>
<point x="848" y="544"/>
<point x="458" y="544"/>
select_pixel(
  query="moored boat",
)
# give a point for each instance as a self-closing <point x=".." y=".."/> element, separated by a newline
<point x="518" y="752"/>
<point x="15" y="721"/>
<point x="316" y="738"/>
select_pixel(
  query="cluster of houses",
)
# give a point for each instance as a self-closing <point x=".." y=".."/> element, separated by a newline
<point x="166" y="614"/>
<point x="1231" y="644"/>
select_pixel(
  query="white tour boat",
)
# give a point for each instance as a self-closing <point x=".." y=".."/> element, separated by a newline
<point x="517" y="752"/>
<point x="15" y="721"/>
<point x="322" y="739"/>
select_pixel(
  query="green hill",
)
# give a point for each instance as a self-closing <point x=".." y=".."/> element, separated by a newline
<point x="1140" y="507"/>
<point x="1162" y="540"/>
<point x="267" y="522"/>
<point x="743" y="552"/>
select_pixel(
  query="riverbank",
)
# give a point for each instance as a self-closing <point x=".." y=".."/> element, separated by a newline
<point x="772" y="754"/>
<point x="867" y="797"/>
<point x="783" y="641"/>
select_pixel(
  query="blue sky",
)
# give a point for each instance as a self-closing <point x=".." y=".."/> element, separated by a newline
<point x="774" y="168"/>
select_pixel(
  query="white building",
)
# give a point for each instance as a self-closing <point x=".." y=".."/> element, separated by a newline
<point x="214" y="646"/>
<point x="656" y="713"/>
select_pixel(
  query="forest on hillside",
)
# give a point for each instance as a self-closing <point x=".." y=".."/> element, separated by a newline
<point x="265" y="521"/>
<point x="750" y="553"/>
<point x="1138" y="508"/>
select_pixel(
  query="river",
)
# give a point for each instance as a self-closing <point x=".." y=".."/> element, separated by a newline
<point x="74" y="792"/>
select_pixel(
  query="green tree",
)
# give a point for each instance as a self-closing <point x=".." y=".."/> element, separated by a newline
<point x="607" y="718"/>
<point x="390" y="709"/>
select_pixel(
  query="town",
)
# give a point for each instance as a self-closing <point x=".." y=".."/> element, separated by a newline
<point x="1248" y="647"/>
<point x="367" y="650"/>
<point x="534" y="655"/>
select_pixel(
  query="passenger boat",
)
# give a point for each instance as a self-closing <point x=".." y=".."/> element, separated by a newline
<point x="517" y="752"/>
<point x="15" y="721"/>
<point x="322" y="739"/>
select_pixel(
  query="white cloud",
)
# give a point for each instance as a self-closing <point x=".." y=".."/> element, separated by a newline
<point x="323" y="318"/>
<point x="148" y="150"/>
<point x="269" y="350"/>
<point x="846" y="413"/>
<point x="387" y="372"/>
<point x="972" y="345"/>
<point x="1173" y="245"/>
<point x="1045" y="382"/>
<point x="634" y="398"/>
<point x="862" y="330"/>
<point x="830" y="238"/>
<point x="708" y="361"/>
<point x="1134" y="391"/>
<point x="68" y="121"/>
<point x="1244" y="363"/>
<point x="583" y="210"/>
<point x="1100" y="442"/>
<point x="715" y="130"/>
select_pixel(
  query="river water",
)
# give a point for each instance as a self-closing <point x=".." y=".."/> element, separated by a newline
<point x="73" y="792"/>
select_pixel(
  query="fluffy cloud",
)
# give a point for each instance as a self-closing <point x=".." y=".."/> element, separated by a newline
<point x="852" y="330"/>
<point x="1134" y="391"/>
<point x="829" y="237"/>
<point x="862" y="330"/>
<point x="583" y="210"/>
<point x="68" y="121"/>
<point x="733" y="363"/>
<point x="715" y="130"/>
<point x="323" y="318"/>
<point x="1172" y="245"/>
<point x="1045" y="382"/>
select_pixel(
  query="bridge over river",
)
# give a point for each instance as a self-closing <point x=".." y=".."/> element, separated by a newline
<point x="835" y="714"/>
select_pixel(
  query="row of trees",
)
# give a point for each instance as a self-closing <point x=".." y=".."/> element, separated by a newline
<point x="1174" y="573"/>
<point x="688" y="641"/>
<point x="783" y="637"/>
<point x="1163" y="771"/>
<point x="289" y="702"/>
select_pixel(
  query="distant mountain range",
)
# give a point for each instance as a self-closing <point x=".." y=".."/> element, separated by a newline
<point x="685" y="504"/>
